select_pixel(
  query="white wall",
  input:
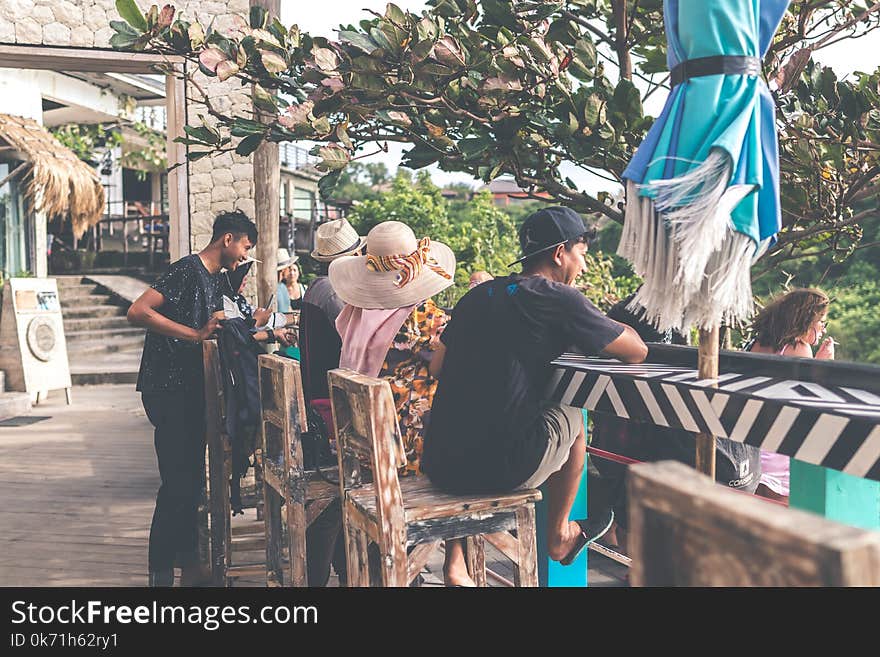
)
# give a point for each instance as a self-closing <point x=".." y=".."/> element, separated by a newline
<point x="20" y="94"/>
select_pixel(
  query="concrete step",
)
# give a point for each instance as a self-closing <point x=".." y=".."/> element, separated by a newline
<point x="97" y="324"/>
<point x="13" y="404"/>
<point x="85" y="312"/>
<point x="78" y="335"/>
<point x="102" y="345"/>
<point x="74" y="293"/>
<point x="68" y="281"/>
<point x="90" y="299"/>
<point x="121" y="367"/>
<point x="127" y="377"/>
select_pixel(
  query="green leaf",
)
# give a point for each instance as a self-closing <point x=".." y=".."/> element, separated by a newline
<point x="272" y="62"/>
<point x="131" y="14"/>
<point x="328" y="183"/>
<point x="121" y="41"/>
<point x="201" y="134"/>
<point x="395" y="14"/>
<point x="246" y="127"/>
<point x="264" y="100"/>
<point x="258" y="17"/>
<point x="358" y="40"/>
<point x="474" y="146"/>
<point x="420" y="156"/>
<point x="248" y="145"/>
<point x="333" y="157"/>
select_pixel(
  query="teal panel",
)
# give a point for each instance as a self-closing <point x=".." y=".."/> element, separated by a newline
<point x="552" y="573"/>
<point x="835" y="495"/>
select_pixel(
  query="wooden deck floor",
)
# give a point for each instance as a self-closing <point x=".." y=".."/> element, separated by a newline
<point x="79" y="488"/>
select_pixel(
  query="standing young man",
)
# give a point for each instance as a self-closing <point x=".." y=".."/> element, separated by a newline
<point x="491" y="430"/>
<point x="179" y="311"/>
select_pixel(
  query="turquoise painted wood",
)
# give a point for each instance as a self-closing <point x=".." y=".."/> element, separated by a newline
<point x="835" y="495"/>
<point x="552" y="573"/>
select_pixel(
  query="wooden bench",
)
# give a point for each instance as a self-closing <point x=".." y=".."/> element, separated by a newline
<point x="223" y="539"/>
<point x="685" y="530"/>
<point x="303" y="494"/>
<point x="407" y="518"/>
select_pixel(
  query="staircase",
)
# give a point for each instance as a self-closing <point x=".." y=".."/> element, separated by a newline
<point x="102" y="346"/>
<point x="12" y="404"/>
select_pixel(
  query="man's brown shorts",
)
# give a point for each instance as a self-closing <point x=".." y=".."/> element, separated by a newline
<point x="561" y="425"/>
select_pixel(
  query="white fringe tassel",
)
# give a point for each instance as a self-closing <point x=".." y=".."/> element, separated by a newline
<point x="696" y="268"/>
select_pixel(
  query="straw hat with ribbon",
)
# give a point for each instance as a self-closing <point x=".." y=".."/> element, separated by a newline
<point x="285" y="260"/>
<point x="397" y="271"/>
<point x="334" y="239"/>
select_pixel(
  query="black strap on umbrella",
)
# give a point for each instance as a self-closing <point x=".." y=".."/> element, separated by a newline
<point x="715" y="65"/>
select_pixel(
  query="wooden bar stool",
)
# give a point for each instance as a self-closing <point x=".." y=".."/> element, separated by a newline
<point x="302" y="493"/>
<point x="408" y="518"/>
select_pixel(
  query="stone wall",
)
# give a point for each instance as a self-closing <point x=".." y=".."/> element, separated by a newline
<point x="217" y="183"/>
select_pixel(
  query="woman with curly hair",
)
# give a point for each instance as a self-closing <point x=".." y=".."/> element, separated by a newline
<point x="790" y="325"/>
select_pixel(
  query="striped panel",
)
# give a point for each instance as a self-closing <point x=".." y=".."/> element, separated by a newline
<point x="836" y="427"/>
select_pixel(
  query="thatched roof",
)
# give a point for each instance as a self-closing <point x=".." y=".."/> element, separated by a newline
<point x="54" y="180"/>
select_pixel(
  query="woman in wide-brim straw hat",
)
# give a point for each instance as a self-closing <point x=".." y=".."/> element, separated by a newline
<point x="390" y="329"/>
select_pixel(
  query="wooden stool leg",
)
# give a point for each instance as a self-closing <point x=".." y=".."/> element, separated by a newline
<point x="393" y="562"/>
<point x="272" y="524"/>
<point x="527" y="563"/>
<point x="476" y="559"/>
<point x="296" y="538"/>
<point x="258" y="477"/>
<point x="358" y="561"/>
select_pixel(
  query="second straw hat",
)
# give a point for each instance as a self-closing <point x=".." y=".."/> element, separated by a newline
<point x="334" y="239"/>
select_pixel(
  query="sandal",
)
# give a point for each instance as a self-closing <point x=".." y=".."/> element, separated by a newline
<point x="591" y="529"/>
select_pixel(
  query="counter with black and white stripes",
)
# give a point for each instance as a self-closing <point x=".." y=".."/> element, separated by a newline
<point x="835" y="426"/>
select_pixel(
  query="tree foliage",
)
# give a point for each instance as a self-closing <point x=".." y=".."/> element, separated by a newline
<point x="482" y="236"/>
<point x="500" y="87"/>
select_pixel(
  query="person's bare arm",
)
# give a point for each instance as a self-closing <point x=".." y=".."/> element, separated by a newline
<point x="261" y="316"/>
<point x="436" y="364"/>
<point x="144" y="314"/>
<point x="627" y="347"/>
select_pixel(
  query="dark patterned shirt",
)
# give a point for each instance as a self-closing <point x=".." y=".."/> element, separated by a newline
<point x="192" y="294"/>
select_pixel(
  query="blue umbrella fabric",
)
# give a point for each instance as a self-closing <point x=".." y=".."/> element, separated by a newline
<point x="703" y="187"/>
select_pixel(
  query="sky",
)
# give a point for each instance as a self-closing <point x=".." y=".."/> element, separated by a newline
<point x="317" y="18"/>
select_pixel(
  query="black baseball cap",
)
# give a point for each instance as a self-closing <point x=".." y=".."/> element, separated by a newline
<point x="548" y="228"/>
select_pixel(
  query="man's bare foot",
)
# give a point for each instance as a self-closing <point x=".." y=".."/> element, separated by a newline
<point x="559" y="545"/>
<point x="457" y="576"/>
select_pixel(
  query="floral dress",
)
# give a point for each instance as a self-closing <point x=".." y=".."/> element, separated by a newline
<point x="406" y="369"/>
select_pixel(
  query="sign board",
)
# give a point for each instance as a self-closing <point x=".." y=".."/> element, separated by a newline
<point x="33" y="351"/>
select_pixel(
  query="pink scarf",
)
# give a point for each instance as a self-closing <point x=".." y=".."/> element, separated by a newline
<point x="367" y="335"/>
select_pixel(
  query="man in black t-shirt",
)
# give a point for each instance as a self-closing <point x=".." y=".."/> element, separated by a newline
<point x="179" y="311"/>
<point x="491" y="429"/>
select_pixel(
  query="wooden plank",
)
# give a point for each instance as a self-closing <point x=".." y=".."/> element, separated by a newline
<point x="504" y="543"/>
<point x="421" y="500"/>
<point x="218" y="466"/>
<point x="688" y="531"/>
<point x="267" y="195"/>
<point x="418" y="557"/>
<point x="247" y="570"/>
<point x="476" y="559"/>
<point x="179" y="230"/>
<point x="527" y="564"/>
<point x="708" y="369"/>
<point x="82" y="59"/>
